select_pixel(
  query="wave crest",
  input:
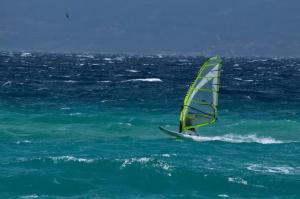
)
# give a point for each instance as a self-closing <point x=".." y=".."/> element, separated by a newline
<point x="144" y="80"/>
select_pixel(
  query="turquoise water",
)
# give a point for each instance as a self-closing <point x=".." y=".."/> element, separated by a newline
<point x="85" y="126"/>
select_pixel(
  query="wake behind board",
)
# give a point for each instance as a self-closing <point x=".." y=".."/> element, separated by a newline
<point x="177" y="134"/>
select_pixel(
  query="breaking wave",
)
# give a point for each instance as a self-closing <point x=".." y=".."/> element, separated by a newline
<point x="144" y="80"/>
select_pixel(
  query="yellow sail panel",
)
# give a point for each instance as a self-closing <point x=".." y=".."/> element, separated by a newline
<point x="200" y="106"/>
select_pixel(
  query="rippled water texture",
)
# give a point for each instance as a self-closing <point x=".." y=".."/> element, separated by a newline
<point x="85" y="126"/>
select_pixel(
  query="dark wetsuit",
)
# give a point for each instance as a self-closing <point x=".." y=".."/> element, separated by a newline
<point x="188" y="122"/>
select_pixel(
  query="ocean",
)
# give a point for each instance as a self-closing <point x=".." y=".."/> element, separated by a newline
<point x="85" y="126"/>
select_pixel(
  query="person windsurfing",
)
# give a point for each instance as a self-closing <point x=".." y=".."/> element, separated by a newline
<point x="200" y="105"/>
<point x="191" y="131"/>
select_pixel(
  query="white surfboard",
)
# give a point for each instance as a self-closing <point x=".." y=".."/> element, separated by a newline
<point x="178" y="135"/>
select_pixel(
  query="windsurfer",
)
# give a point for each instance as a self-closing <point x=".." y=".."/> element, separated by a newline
<point x="191" y="131"/>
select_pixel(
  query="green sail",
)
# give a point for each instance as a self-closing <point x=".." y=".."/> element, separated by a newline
<point x="200" y="106"/>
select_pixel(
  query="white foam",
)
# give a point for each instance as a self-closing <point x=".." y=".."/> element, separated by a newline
<point x="8" y="83"/>
<point x="281" y="169"/>
<point x="23" y="141"/>
<point x="86" y="56"/>
<point x="223" y="196"/>
<point x="144" y="80"/>
<point x="30" y="196"/>
<point x="119" y="58"/>
<point x="128" y="162"/>
<point x="145" y="160"/>
<point x="70" y="81"/>
<point x="126" y="123"/>
<point x="25" y="54"/>
<point x="65" y="108"/>
<point x="105" y="81"/>
<point x="163" y="165"/>
<point x="236" y="78"/>
<point x="77" y="113"/>
<point x="237" y="180"/>
<point x="132" y="71"/>
<point x="67" y="158"/>
<point x="250" y="138"/>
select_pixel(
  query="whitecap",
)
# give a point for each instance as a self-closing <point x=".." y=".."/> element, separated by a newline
<point x="30" y="196"/>
<point x="67" y="158"/>
<point x="237" y="180"/>
<point x="236" y="65"/>
<point x="148" y="162"/>
<point x="163" y="165"/>
<point x="86" y="56"/>
<point x="104" y="81"/>
<point x="23" y="141"/>
<point x="107" y="59"/>
<point x="280" y="169"/>
<point x="72" y="114"/>
<point x="236" y="78"/>
<point x="126" y="123"/>
<point x="70" y="81"/>
<point x="25" y="54"/>
<point x="119" y="58"/>
<point x="223" y="196"/>
<point x="132" y="71"/>
<point x="141" y="160"/>
<point x="65" y="108"/>
<point x="8" y="83"/>
<point x="144" y="80"/>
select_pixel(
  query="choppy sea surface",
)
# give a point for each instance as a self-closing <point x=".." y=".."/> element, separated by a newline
<point x="85" y="126"/>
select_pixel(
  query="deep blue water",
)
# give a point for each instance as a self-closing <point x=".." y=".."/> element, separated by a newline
<point x="85" y="126"/>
